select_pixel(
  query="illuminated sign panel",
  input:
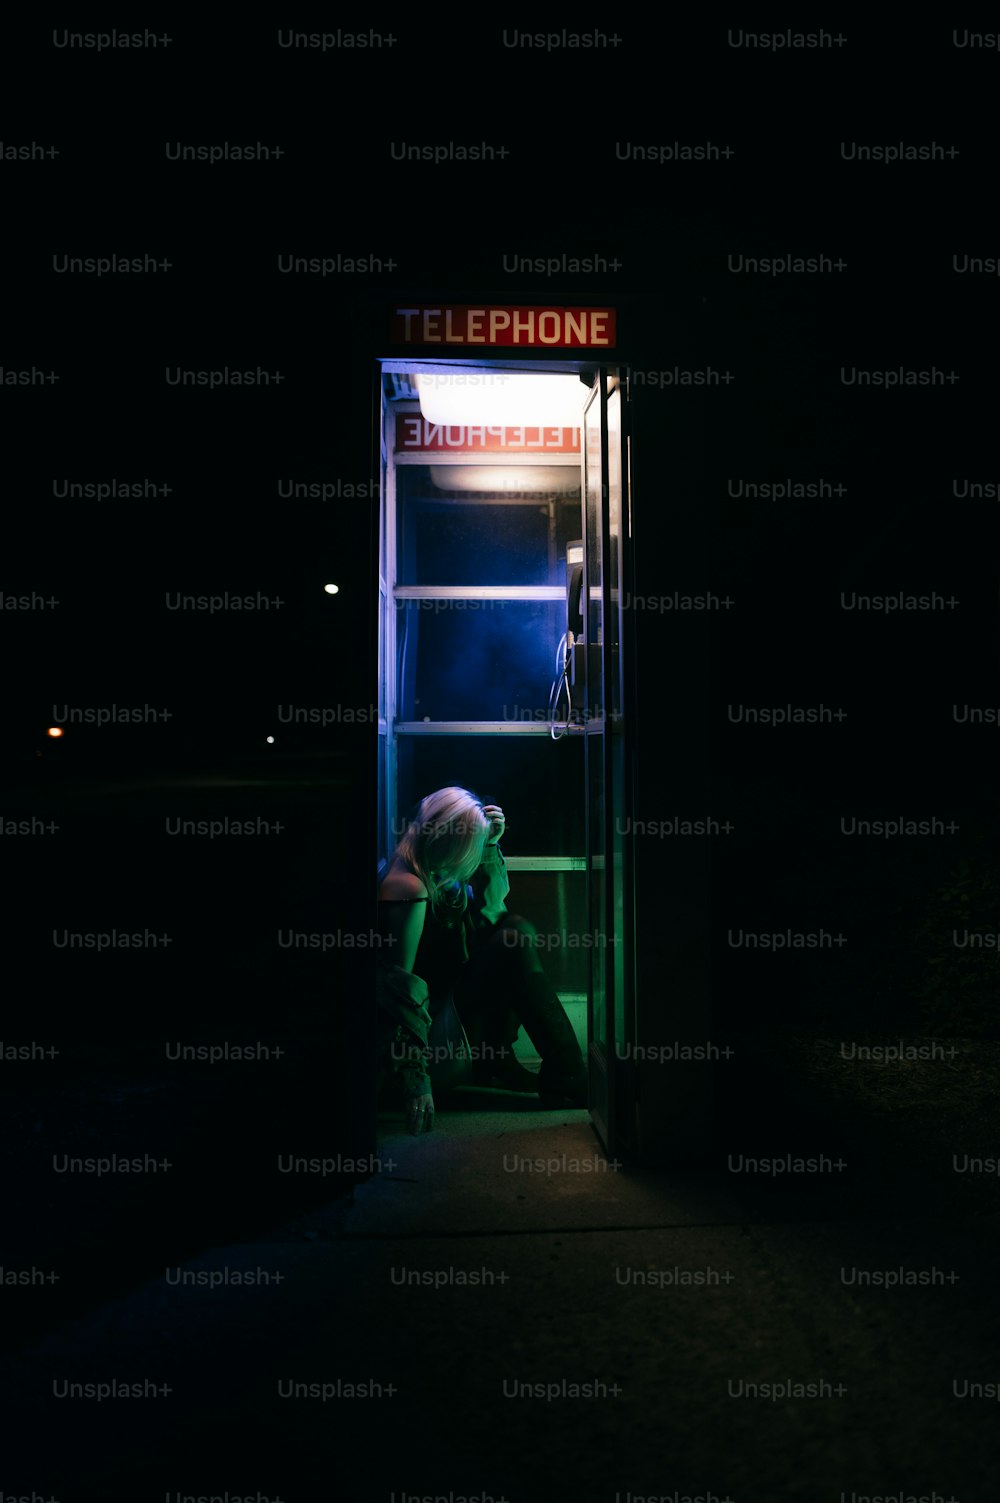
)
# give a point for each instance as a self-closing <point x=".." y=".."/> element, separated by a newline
<point x="506" y="327"/>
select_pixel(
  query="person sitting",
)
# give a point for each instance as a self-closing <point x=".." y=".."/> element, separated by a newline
<point x="444" y="921"/>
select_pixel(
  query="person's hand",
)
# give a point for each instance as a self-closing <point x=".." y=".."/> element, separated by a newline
<point x="419" y="1114"/>
<point x="494" y="814"/>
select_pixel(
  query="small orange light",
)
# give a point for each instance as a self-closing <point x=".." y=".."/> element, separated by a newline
<point x="55" y="730"/>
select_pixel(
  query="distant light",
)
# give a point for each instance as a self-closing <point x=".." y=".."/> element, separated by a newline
<point x="332" y="589"/>
<point x="269" y="740"/>
<point x="55" y="730"/>
<point x="502" y="398"/>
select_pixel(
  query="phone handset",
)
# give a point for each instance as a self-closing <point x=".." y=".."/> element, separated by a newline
<point x="565" y="666"/>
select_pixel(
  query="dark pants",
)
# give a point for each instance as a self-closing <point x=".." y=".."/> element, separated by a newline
<point x="501" y="986"/>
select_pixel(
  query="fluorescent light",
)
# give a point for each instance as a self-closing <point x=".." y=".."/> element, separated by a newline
<point x="545" y="480"/>
<point x="501" y="398"/>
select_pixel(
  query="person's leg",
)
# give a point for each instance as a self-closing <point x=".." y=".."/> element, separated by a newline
<point x="481" y="996"/>
<point x="503" y="983"/>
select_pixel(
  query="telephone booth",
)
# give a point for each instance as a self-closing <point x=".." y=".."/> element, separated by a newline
<point x="506" y="651"/>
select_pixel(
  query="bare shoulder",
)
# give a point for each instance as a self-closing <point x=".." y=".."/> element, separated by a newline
<point x="401" y="886"/>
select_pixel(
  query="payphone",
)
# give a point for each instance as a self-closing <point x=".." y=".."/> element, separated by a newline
<point x="569" y="685"/>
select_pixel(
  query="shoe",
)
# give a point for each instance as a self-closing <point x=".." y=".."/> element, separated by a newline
<point x="559" y="1089"/>
<point x="506" y="1073"/>
<point x="562" y="1080"/>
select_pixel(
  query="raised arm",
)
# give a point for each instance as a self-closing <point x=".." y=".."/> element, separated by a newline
<point x="490" y="885"/>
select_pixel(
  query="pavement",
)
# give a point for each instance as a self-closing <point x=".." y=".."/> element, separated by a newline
<point x="501" y="1313"/>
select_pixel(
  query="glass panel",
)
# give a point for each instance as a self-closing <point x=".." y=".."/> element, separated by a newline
<point x="615" y="728"/>
<point x="383" y="587"/>
<point x="381" y="654"/>
<point x="383" y="813"/>
<point x="537" y="782"/>
<point x="514" y="533"/>
<point x="594" y="632"/>
<point x="556" y="903"/>
<point x="477" y="659"/>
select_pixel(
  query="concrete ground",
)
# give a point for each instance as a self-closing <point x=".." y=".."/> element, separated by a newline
<point x="485" y="1270"/>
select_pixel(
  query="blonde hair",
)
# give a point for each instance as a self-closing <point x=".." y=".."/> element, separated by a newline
<point x="444" y="843"/>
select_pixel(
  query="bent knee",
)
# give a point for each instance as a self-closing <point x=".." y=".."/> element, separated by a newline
<point x="521" y="925"/>
<point x="520" y="941"/>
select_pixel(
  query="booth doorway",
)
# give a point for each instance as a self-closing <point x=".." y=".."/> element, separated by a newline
<point x="504" y="544"/>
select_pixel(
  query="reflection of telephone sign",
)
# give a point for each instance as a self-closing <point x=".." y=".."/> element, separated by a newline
<point x="416" y="435"/>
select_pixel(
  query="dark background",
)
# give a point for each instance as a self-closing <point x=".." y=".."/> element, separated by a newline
<point x="223" y="527"/>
